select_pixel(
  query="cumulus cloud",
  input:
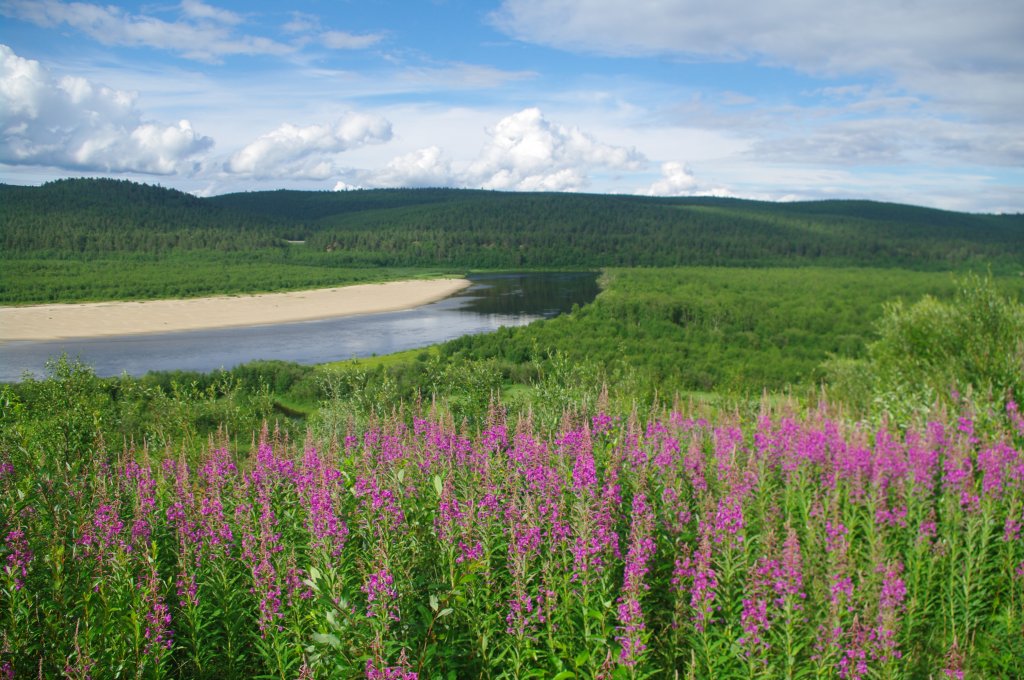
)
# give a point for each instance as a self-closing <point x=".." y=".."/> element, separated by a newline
<point x="421" y="168"/>
<point x="73" y="123"/>
<point x="308" y="152"/>
<point x="528" y="152"/>
<point x="967" y="55"/>
<point x="523" y="152"/>
<point x="678" y="180"/>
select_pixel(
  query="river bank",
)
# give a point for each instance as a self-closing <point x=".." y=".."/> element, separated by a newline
<point x="101" y="319"/>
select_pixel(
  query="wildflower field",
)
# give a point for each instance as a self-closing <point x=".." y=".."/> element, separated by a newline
<point x="781" y="544"/>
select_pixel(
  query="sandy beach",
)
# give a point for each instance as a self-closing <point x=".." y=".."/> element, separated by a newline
<point x="52" y="322"/>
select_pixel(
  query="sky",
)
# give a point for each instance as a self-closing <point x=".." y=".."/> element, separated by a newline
<point x="917" y="101"/>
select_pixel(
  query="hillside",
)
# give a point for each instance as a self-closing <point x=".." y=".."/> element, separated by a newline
<point x="465" y="228"/>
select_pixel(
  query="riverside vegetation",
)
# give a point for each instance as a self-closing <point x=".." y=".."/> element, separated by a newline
<point x="610" y="493"/>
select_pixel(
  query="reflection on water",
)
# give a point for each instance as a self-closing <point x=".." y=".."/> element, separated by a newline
<point x="493" y="301"/>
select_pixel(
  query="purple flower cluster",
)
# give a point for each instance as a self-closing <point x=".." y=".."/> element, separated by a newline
<point x="399" y="672"/>
<point x="631" y="631"/>
<point x="381" y="596"/>
<point x="157" y="633"/>
<point x="18" y="556"/>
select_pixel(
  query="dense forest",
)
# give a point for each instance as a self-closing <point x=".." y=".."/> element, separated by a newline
<point x="143" y="235"/>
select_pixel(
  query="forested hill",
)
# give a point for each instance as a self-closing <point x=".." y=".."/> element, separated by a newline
<point x="99" y="216"/>
<point x="483" y="229"/>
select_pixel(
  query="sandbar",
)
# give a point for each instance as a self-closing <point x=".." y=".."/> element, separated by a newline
<point x="100" y="319"/>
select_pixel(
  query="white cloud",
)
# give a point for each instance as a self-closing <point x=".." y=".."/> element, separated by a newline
<point x="454" y="75"/>
<point x="965" y="55"/>
<point x="307" y="152"/>
<point x="73" y="123"/>
<point x="341" y="40"/>
<point x="528" y="152"/>
<point x="523" y="152"/>
<point x="678" y="180"/>
<point x="204" y="33"/>
<point x="202" y="11"/>
<point x="420" y="168"/>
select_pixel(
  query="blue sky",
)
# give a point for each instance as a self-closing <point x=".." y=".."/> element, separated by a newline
<point x="915" y="102"/>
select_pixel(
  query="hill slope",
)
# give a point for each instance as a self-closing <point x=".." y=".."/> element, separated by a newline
<point x="466" y="228"/>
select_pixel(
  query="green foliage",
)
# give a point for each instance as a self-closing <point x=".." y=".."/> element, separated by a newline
<point x="722" y="329"/>
<point x="933" y="353"/>
<point x="72" y="418"/>
<point x="178" y="274"/>
<point x="59" y="421"/>
<point x="104" y="239"/>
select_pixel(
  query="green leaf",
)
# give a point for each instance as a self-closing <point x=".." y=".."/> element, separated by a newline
<point x="327" y="639"/>
<point x="438" y="485"/>
<point x="581" y="658"/>
<point x="564" y="675"/>
<point x="433" y="602"/>
<point x="444" y="612"/>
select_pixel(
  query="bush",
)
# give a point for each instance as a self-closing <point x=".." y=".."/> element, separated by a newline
<point x="936" y="354"/>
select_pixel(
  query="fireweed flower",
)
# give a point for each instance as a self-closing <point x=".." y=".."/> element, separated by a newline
<point x="526" y="610"/>
<point x="259" y="544"/>
<point x="1012" y="527"/>
<point x="381" y="508"/>
<point x="889" y="465"/>
<point x="399" y="672"/>
<point x="103" y="538"/>
<point x="693" y="464"/>
<point x="955" y="659"/>
<point x="922" y="461"/>
<point x="157" y="633"/>
<point x="316" y="484"/>
<point x="729" y="521"/>
<point x="853" y="662"/>
<point x="667" y="449"/>
<point x="525" y="613"/>
<point x="1013" y="412"/>
<point x="705" y="584"/>
<point x="695" y="573"/>
<point x="450" y="515"/>
<point x="890" y="605"/>
<point x="997" y="462"/>
<point x="891" y="517"/>
<point x="601" y="423"/>
<point x="381" y="596"/>
<point x="584" y="473"/>
<point x="790" y="579"/>
<point x="469" y="553"/>
<point x="754" y="621"/>
<point x="18" y="557"/>
<point x="630" y="632"/>
<point x="678" y="514"/>
<point x="836" y="545"/>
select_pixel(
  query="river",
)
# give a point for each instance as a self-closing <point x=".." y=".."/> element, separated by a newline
<point x="492" y="301"/>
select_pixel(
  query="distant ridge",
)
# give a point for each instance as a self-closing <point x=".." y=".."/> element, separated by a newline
<point x="486" y="229"/>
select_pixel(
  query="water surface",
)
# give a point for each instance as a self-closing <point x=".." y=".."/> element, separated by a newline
<point x="492" y="301"/>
